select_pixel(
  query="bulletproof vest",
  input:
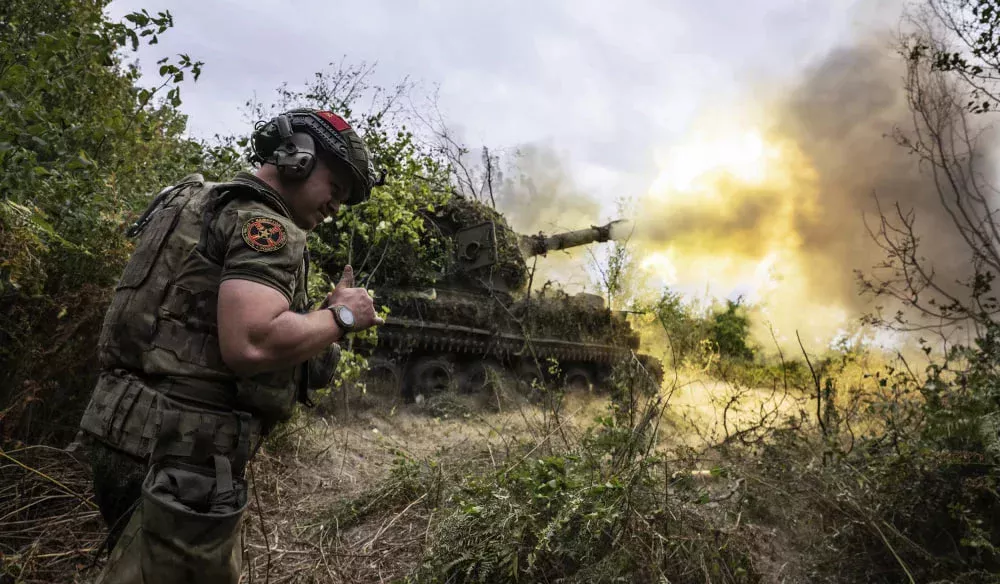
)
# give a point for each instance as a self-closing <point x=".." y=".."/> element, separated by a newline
<point x="162" y="323"/>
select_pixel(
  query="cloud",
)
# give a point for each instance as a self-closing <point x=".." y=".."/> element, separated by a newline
<point x="604" y="83"/>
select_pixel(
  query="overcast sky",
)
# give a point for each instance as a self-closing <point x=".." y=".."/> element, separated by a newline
<point x="606" y="85"/>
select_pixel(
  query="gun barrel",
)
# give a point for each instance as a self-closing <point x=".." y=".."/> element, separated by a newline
<point x="532" y="245"/>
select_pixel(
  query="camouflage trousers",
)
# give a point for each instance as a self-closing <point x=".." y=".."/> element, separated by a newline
<point x="185" y="526"/>
<point x="117" y="485"/>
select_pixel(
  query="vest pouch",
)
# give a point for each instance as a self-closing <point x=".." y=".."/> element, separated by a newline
<point x="150" y="245"/>
<point x="189" y="344"/>
<point x="129" y="322"/>
<point x="185" y="529"/>
<point x="271" y="402"/>
<point x="191" y="523"/>
<point x="122" y="413"/>
<point x="186" y="326"/>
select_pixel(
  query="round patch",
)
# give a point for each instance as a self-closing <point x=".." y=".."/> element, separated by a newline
<point x="264" y="234"/>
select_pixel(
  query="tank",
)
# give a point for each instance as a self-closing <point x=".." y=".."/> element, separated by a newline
<point x="463" y="313"/>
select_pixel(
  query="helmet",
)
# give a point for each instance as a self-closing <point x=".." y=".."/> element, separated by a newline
<point x="292" y="140"/>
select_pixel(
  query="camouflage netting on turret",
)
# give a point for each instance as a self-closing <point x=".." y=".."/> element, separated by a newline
<point x="399" y="264"/>
<point x="552" y="315"/>
<point x="510" y="268"/>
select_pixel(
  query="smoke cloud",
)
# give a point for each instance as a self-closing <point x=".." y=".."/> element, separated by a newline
<point x="778" y="213"/>
<point x="771" y="205"/>
<point x="538" y="194"/>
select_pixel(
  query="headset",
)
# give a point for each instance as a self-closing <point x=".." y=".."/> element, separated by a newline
<point x="293" y="153"/>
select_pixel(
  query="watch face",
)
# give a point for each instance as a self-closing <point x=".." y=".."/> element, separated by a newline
<point x="346" y="316"/>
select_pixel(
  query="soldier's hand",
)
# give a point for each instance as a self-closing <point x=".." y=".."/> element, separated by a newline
<point x="347" y="278"/>
<point x="357" y="299"/>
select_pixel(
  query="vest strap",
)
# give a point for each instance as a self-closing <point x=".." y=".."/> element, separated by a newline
<point x="217" y="395"/>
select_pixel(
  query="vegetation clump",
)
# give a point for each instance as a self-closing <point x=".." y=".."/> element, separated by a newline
<point x="602" y="510"/>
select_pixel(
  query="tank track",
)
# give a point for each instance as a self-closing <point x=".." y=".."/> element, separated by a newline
<point x="405" y="335"/>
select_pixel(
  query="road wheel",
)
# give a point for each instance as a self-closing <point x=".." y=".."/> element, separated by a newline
<point x="384" y="377"/>
<point x="483" y="376"/>
<point x="430" y="376"/>
<point x="530" y="381"/>
<point x="578" y="379"/>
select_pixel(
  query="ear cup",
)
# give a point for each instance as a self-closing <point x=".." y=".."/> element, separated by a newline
<point x="295" y="156"/>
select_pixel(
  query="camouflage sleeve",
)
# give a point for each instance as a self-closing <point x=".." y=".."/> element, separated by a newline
<point x="262" y="247"/>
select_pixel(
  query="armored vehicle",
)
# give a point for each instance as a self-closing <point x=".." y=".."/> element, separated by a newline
<point x="473" y="317"/>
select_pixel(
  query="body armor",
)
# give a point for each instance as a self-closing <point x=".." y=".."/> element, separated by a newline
<point x="165" y="389"/>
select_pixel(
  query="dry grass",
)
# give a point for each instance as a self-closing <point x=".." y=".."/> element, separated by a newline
<point x="50" y="527"/>
<point x="326" y="505"/>
<point x="322" y="463"/>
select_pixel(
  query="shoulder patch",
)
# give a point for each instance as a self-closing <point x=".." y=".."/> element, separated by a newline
<point x="264" y="234"/>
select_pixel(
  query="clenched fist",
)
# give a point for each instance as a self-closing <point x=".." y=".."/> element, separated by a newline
<point x="357" y="299"/>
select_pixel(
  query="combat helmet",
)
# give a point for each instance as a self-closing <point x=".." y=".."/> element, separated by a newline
<point x="292" y="140"/>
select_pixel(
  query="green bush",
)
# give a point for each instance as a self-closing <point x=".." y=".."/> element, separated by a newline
<point x="601" y="510"/>
<point x="729" y="329"/>
<point x="900" y="483"/>
<point x="82" y="147"/>
<point x="724" y="330"/>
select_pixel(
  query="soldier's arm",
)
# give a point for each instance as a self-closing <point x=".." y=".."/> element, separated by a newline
<point x="258" y="332"/>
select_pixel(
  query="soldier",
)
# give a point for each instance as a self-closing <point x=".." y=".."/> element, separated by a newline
<point x="209" y="342"/>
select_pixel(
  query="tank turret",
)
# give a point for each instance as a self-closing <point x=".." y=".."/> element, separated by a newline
<point x="477" y="248"/>
<point x="463" y="314"/>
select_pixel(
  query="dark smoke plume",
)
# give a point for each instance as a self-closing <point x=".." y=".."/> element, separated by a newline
<point x="843" y="117"/>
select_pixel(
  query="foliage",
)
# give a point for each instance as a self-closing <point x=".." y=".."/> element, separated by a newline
<point x="615" y="276"/>
<point x="77" y="137"/>
<point x="951" y="64"/>
<point x="600" y="510"/>
<point x="907" y="487"/>
<point x="82" y="147"/>
<point x="932" y="459"/>
<point x="685" y="330"/>
<point x="701" y="336"/>
<point x="729" y="329"/>
<point x="973" y="26"/>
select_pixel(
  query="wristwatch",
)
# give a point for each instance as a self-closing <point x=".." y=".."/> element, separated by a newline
<point x="343" y="316"/>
